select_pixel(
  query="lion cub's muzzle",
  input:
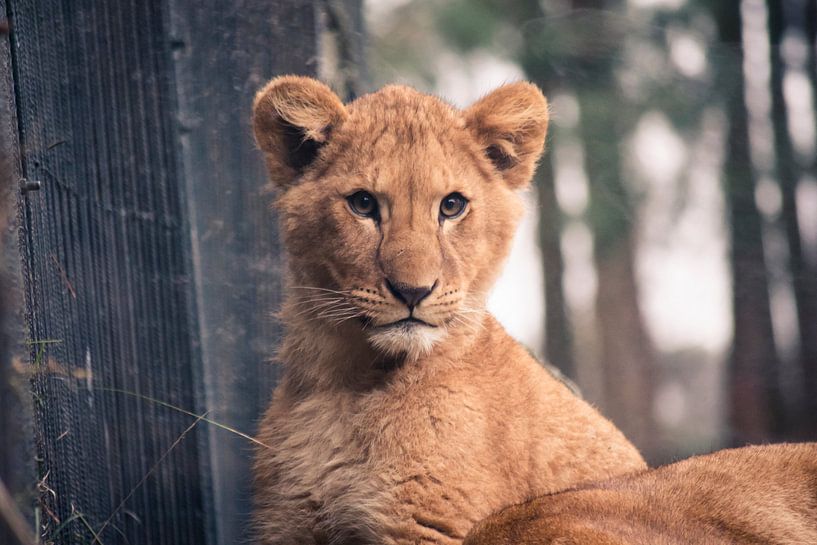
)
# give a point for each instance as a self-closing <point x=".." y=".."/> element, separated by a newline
<point x="402" y="319"/>
<point x="399" y="303"/>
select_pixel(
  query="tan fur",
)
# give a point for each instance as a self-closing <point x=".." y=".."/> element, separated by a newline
<point x="407" y="434"/>
<point x="754" y="495"/>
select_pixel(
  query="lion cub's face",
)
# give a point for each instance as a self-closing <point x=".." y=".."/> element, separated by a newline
<point x="397" y="209"/>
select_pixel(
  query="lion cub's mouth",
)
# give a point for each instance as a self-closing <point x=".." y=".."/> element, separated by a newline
<point x="409" y="322"/>
<point x="409" y="338"/>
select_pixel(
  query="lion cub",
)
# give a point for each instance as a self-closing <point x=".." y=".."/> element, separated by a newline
<point x="404" y="412"/>
<point x="763" y="495"/>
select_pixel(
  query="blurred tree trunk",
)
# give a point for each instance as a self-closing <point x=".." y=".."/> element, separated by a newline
<point x="787" y="170"/>
<point x="558" y="332"/>
<point x="558" y="328"/>
<point x="344" y="64"/>
<point x="808" y="275"/>
<point x="753" y="372"/>
<point x="626" y="352"/>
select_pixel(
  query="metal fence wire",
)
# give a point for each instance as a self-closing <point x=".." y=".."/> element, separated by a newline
<point x="108" y="281"/>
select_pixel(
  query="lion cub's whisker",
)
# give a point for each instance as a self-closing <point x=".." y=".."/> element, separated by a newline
<point x="338" y="321"/>
<point x="325" y="308"/>
<point x="338" y="312"/>
<point x="342" y="292"/>
<point x="342" y="317"/>
<point x="319" y="300"/>
<point x="464" y="323"/>
<point x="318" y="304"/>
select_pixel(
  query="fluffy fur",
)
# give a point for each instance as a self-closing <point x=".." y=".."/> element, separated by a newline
<point x="760" y="495"/>
<point x="384" y="431"/>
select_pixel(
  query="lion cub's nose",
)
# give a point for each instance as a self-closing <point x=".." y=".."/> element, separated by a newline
<point x="410" y="295"/>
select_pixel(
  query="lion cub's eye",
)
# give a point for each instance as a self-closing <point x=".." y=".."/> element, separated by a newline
<point x="452" y="206"/>
<point x="363" y="204"/>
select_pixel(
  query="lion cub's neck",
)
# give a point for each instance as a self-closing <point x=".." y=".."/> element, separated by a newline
<point x="317" y="356"/>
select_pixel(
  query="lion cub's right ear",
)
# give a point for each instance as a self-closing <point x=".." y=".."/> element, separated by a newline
<point x="510" y="124"/>
<point x="293" y="117"/>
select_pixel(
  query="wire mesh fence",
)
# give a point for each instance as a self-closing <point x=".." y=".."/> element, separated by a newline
<point x="107" y="277"/>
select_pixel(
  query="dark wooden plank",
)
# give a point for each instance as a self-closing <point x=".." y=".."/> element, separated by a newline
<point x="224" y="51"/>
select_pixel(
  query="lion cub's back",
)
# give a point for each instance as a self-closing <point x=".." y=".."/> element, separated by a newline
<point x="539" y="421"/>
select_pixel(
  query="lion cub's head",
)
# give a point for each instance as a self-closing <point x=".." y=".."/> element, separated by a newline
<point x="397" y="209"/>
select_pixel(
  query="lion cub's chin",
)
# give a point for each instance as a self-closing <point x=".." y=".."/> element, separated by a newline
<point x="408" y="340"/>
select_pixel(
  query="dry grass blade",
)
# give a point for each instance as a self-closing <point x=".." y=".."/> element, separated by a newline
<point x="188" y="413"/>
<point x="90" y="528"/>
<point x="147" y="475"/>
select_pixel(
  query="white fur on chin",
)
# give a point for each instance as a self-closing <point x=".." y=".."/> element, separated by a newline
<point x="411" y="341"/>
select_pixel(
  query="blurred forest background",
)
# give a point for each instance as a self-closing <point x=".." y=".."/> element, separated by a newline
<point x="674" y="217"/>
<point x="667" y="263"/>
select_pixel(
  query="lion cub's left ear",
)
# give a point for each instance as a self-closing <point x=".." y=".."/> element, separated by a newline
<point x="293" y="117"/>
<point x="510" y="124"/>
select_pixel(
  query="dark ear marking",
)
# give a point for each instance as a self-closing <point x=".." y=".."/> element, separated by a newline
<point x="301" y="150"/>
<point x="501" y="159"/>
